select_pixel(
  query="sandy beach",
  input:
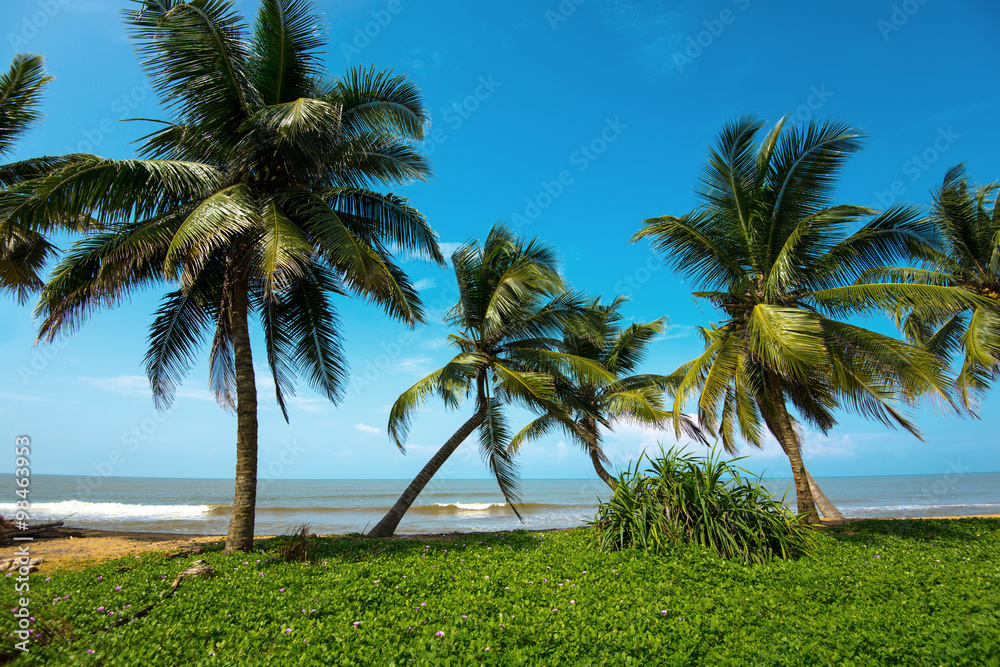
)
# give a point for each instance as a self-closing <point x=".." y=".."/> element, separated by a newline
<point x="74" y="548"/>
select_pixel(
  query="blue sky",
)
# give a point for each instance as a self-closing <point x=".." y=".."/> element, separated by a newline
<point x="575" y="120"/>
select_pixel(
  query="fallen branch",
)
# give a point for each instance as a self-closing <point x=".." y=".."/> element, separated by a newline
<point x="30" y="530"/>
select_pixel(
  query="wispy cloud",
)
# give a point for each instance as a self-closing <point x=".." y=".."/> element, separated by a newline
<point x="309" y="403"/>
<point x="365" y="428"/>
<point x="121" y="385"/>
<point x="435" y="343"/>
<point x="673" y="331"/>
<point x="415" y="366"/>
<point x="425" y="283"/>
<point x="6" y="396"/>
<point x="137" y="386"/>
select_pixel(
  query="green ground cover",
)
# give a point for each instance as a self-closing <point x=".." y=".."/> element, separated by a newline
<point x="876" y="592"/>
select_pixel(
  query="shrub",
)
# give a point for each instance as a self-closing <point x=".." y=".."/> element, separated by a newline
<point x="682" y="498"/>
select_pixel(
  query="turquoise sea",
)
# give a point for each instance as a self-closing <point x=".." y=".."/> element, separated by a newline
<point x="344" y="506"/>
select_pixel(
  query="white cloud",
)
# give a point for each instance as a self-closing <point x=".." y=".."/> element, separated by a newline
<point x="628" y="441"/>
<point x="672" y="331"/>
<point x="424" y="283"/>
<point x="435" y="343"/>
<point x="561" y="450"/>
<point x="365" y="428"/>
<point x="137" y="386"/>
<point x="122" y="385"/>
<point x="309" y="403"/>
<point x="419" y="366"/>
<point x="448" y="248"/>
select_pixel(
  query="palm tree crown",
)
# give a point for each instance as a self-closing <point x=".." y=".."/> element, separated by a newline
<point x="254" y="199"/>
<point x="965" y="258"/>
<point x="593" y="402"/>
<point x="777" y="257"/>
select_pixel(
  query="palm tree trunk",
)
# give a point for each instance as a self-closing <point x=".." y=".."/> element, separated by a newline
<point x="593" y="448"/>
<point x="387" y="526"/>
<point x="601" y="472"/>
<point x="780" y="424"/>
<point x="241" y="523"/>
<point x="826" y="508"/>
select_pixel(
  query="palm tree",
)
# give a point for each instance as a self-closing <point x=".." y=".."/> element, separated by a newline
<point x="629" y="397"/>
<point x="255" y="200"/>
<point x="966" y="258"/>
<point x="512" y="299"/>
<point x="23" y="252"/>
<point x="775" y="255"/>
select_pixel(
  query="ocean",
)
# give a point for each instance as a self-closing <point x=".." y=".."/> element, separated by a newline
<point x="200" y="506"/>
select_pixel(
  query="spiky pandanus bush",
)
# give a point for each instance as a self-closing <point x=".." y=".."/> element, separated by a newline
<point x="683" y="498"/>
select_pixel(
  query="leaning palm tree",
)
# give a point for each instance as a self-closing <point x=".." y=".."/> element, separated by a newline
<point x="253" y="200"/>
<point x="512" y="300"/>
<point x="24" y="252"/>
<point x="776" y="256"/>
<point x="966" y="257"/>
<point x="629" y="397"/>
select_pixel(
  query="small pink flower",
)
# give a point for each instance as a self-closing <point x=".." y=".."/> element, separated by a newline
<point x="281" y="590"/>
<point x="100" y="609"/>
<point x="288" y="629"/>
<point x="439" y="633"/>
<point x="357" y="623"/>
<point x="118" y="588"/>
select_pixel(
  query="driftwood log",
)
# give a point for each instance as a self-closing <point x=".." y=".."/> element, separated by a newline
<point x="37" y="530"/>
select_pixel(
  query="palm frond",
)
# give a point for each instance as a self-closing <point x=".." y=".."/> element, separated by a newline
<point x="20" y="96"/>
<point x="286" y="41"/>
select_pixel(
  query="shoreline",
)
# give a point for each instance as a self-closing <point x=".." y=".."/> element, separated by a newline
<point x="77" y="548"/>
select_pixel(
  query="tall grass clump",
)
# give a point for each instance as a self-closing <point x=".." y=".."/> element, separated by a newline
<point x="683" y="498"/>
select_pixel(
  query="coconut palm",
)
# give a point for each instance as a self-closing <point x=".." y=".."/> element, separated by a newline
<point x="629" y="397"/>
<point x="776" y="256"/>
<point x="966" y="222"/>
<point x="255" y="199"/>
<point x="511" y="302"/>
